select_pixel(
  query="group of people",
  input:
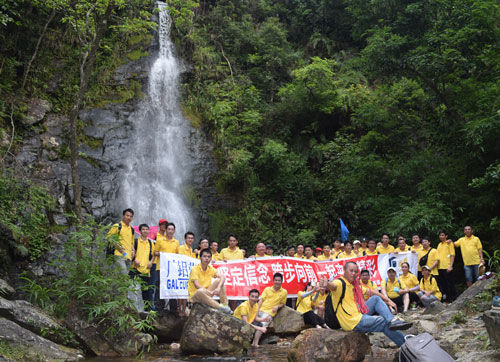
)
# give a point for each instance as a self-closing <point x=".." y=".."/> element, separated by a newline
<point x="354" y="297"/>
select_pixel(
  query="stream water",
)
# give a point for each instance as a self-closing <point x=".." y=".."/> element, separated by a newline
<point x="159" y="166"/>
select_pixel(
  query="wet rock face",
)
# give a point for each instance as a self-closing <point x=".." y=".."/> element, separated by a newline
<point x="168" y="327"/>
<point x="16" y="335"/>
<point x="209" y="331"/>
<point x="287" y="321"/>
<point x="322" y="345"/>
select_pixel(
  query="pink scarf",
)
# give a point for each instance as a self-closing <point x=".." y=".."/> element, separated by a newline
<point x="358" y="297"/>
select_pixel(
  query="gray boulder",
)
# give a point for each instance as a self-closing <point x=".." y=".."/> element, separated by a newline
<point x="435" y="307"/>
<point x="478" y="287"/>
<point x="34" y="319"/>
<point x="287" y="321"/>
<point x="324" y="345"/>
<point x="491" y="320"/>
<point x="37" y="108"/>
<point x="168" y="327"/>
<point x="6" y="290"/>
<point x="15" y="335"/>
<point x="209" y="331"/>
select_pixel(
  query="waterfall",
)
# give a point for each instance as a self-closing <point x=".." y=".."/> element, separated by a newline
<point x="159" y="167"/>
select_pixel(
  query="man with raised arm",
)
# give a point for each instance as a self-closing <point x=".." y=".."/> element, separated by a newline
<point x="202" y="289"/>
<point x="356" y="315"/>
<point x="272" y="299"/>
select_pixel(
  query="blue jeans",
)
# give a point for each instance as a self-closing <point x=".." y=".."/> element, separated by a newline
<point x="471" y="272"/>
<point x="380" y="323"/>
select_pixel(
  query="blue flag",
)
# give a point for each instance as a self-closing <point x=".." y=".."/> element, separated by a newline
<point x="344" y="232"/>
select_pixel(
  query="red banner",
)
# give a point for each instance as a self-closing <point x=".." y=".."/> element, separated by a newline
<point x="244" y="275"/>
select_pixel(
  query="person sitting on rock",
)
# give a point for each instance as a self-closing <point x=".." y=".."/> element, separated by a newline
<point x="201" y="289"/>
<point x="247" y="311"/>
<point x="396" y="290"/>
<point x="429" y="290"/>
<point x="305" y="306"/>
<point x="354" y="314"/>
<point x="272" y="299"/>
<point x="319" y="303"/>
<point x="411" y="282"/>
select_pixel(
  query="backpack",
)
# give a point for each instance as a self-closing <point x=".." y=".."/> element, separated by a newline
<point x="422" y="348"/>
<point x="423" y="260"/>
<point x="150" y="249"/>
<point x="331" y="319"/>
<point x="110" y="248"/>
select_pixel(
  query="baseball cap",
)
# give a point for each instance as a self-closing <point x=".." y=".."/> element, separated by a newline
<point x="162" y="221"/>
<point x="392" y="268"/>
<point x="318" y="249"/>
<point x="426" y="267"/>
<point x="356" y="242"/>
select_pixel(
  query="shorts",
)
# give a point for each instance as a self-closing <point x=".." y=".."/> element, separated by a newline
<point x="264" y="315"/>
<point x="471" y="272"/>
<point x="258" y="324"/>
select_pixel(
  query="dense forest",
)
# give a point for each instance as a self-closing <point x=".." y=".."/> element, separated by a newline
<point x="383" y="113"/>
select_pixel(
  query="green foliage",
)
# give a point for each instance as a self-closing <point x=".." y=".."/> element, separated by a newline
<point x="24" y="209"/>
<point x="18" y="353"/>
<point x="493" y="260"/>
<point x="458" y="318"/>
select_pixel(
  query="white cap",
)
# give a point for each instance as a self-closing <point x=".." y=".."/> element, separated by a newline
<point x="392" y="268"/>
<point x="356" y="242"/>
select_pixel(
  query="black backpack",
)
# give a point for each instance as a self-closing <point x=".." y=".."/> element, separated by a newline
<point x="150" y="249"/>
<point x="331" y="319"/>
<point x="110" y="248"/>
<point x="423" y="260"/>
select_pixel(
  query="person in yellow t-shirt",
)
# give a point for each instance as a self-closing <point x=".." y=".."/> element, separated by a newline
<point x="124" y="244"/>
<point x="372" y="248"/>
<point x="290" y="251"/>
<point x="356" y="245"/>
<point x="319" y="303"/>
<point x="300" y="251"/>
<point x="187" y="248"/>
<point x="472" y="254"/>
<point x="416" y="247"/>
<point x="232" y="252"/>
<point x="269" y="250"/>
<point x="160" y="239"/>
<point x="271" y="301"/>
<point x="385" y="247"/>
<point x="305" y="306"/>
<point x="247" y="311"/>
<point x="214" y="248"/>
<point x="337" y="243"/>
<point x="411" y="282"/>
<point x="370" y="288"/>
<point x="347" y="253"/>
<point x="396" y="289"/>
<point x="431" y="255"/>
<point x="202" y="289"/>
<point x="355" y="315"/>
<point x="260" y="250"/>
<point x="318" y="252"/>
<point x="202" y="244"/>
<point x="363" y="247"/>
<point x="327" y="253"/>
<point x="402" y="247"/>
<point x="308" y="253"/>
<point x="143" y="262"/>
<point x="446" y="257"/>
<point x="429" y="290"/>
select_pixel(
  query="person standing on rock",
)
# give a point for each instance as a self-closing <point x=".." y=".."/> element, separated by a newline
<point x="354" y="314"/>
<point x="419" y="249"/>
<point x="446" y="256"/>
<point x="186" y="249"/>
<point x="202" y="289"/>
<point x="143" y="262"/>
<point x="165" y="243"/>
<point x="429" y="257"/>
<point x="272" y="299"/>
<point x="472" y="254"/>
<point x="124" y="247"/>
<point x="247" y="311"/>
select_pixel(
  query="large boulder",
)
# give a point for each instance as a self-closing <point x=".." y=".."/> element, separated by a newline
<point x="478" y="287"/>
<point x="36" y="320"/>
<point x="491" y="320"/>
<point x="435" y="307"/>
<point x="208" y="331"/>
<point x="6" y="290"/>
<point x="287" y="321"/>
<point x="13" y="334"/>
<point x="168" y="327"/>
<point x="324" y="345"/>
<point x="96" y="337"/>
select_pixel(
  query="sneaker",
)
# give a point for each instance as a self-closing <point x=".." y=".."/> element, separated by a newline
<point x="225" y="309"/>
<point x="399" y="325"/>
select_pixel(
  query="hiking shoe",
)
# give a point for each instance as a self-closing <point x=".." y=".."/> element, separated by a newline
<point x="399" y="325"/>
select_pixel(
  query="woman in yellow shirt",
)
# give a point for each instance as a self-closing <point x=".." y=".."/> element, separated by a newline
<point x="305" y="305"/>
<point x="411" y="282"/>
<point x="429" y="290"/>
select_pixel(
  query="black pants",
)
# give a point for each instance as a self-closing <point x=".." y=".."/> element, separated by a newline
<point x="419" y="275"/>
<point x="413" y="297"/>
<point x="313" y="319"/>
<point x="447" y="285"/>
<point x="399" y="302"/>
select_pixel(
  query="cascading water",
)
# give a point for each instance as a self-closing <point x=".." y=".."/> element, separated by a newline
<point x="159" y="167"/>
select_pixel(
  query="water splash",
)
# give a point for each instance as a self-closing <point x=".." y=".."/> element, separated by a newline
<point x="159" y="170"/>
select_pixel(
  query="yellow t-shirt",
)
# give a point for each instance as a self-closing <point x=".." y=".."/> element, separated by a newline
<point x="297" y="256"/>
<point x="382" y="250"/>
<point x="407" y="248"/>
<point x="229" y="254"/>
<point x="312" y="257"/>
<point x="367" y="287"/>
<point x="469" y="248"/>
<point x="187" y="250"/>
<point x="159" y="246"/>
<point x="204" y="277"/>
<point x="304" y="304"/>
<point x="261" y="256"/>
<point x="334" y="253"/>
<point x="427" y="286"/>
<point x="389" y="287"/>
<point x="368" y="252"/>
<point x="271" y="298"/>
<point x="246" y="309"/>
<point x="324" y="257"/>
<point x="142" y="255"/>
<point x="343" y="255"/>
<point x="126" y="238"/>
<point x="215" y="256"/>
<point x="444" y="253"/>
<point x="348" y="314"/>
<point x="420" y="252"/>
<point x="410" y="280"/>
<point x="431" y="258"/>
<point x="361" y="250"/>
